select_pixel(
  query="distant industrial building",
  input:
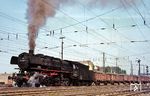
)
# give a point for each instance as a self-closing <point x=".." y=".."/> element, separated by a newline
<point x="4" y="78"/>
<point x="108" y="69"/>
<point x="88" y="63"/>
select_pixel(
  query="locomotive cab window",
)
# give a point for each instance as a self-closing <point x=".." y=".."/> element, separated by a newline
<point x="75" y="66"/>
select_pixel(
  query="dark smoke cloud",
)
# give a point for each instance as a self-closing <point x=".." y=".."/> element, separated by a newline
<point x="37" y="13"/>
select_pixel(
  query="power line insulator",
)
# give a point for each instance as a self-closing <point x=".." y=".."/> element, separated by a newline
<point x="8" y="36"/>
<point x="17" y="36"/>
<point x="86" y="29"/>
<point x="144" y="22"/>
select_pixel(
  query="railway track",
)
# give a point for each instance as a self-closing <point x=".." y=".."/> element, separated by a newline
<point x="132" y="93"/>
<point x="73" y="91"/>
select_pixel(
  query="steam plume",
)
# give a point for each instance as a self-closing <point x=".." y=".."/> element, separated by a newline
<point x="37" y="14"/>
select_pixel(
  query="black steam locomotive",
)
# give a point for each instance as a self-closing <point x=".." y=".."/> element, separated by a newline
<point x="39" y="69"/>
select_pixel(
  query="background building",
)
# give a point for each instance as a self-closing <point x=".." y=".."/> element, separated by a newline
<point x="4" y="78"/>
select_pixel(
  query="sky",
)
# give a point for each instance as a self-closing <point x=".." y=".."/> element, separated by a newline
<point x="119" y="28"/>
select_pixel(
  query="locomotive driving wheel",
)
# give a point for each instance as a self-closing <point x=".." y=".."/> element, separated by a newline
<point x="65" y="82"/>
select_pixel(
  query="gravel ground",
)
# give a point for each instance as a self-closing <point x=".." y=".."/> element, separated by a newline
<point x="109" y="90"/>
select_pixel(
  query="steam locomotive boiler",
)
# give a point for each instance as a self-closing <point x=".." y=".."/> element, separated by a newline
<point x="39" y="69"/>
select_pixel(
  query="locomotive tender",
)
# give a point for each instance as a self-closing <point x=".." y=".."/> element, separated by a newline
<point x="39" y="69"/>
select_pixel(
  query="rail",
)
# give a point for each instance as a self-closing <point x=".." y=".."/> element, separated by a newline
<point x="120" y="90"/>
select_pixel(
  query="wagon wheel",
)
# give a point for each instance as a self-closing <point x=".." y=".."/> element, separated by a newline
<point x="47" y="81"/>
<point x="19" y="82"/>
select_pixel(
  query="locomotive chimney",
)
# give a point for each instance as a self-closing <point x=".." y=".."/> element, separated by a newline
<point x="31" y="52"/>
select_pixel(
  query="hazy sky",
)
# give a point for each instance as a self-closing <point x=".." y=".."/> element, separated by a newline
<point x="120" y="28"/>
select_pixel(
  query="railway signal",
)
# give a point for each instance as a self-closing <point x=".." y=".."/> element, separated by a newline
<point x="147" y="70"/>
<point x="139" y="71"/>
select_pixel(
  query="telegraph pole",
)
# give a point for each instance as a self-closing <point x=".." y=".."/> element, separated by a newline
<point x="131" y="68"/>
<point x="144" y="70"/>
<point x="62" y="48"/>
<point x="116" y="65"/>
<point x="104" y="62"/>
